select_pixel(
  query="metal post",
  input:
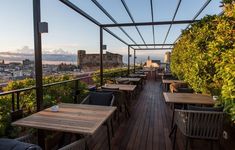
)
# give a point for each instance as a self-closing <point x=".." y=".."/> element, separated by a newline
<point x="128" y="57"/>
<point x="18" y="100"/>
<point x="101" y="56"/>
<point x="76" y="92"/>
<point x="38" y="53"/>
<point x="13" y="102"/>
<point x="38" y="64"/>
<point x="134" y="60"/>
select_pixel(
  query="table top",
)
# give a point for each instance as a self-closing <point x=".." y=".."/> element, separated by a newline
<point x="72" y="118"/>
<point x="188" y="98"/>
<point x="164" y="74"/>
<point x="128" y="79"/>
<point x="122" y="87"/>
<point x="171" y="81"/>
<point x="138" y="75"/>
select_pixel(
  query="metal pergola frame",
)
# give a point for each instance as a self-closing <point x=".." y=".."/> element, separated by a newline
<point x="104" y="27"/>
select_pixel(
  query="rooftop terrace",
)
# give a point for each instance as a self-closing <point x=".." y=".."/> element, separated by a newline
<point x="149" y="124"/>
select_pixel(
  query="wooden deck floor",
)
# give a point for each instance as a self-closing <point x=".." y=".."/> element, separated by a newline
<point x="147" y="128"/>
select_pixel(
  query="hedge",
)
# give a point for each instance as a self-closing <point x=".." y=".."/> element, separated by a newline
<point x="204" y="56"/>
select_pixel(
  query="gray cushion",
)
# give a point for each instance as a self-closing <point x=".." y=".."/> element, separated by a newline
<point x="109" y="88"/>
<point x="185" y="90"/>
<point x="11" y="144"/>
<point x="197" y="108"/>
<point x="101" y="98"/>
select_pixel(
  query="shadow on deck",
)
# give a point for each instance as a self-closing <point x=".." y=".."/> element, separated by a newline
<point x="147" y="128"/>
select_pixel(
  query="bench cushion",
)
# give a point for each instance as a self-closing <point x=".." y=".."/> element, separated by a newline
<point x="11" y="144"/>
<point x="101" y="98"/>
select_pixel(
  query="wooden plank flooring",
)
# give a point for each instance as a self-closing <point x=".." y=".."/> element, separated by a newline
<point x="147" y="128"/>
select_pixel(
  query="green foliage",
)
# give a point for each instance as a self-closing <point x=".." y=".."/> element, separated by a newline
<point x="204" y="56"/>
<point x="51" y="95"/>
<point x="5" y="104"/>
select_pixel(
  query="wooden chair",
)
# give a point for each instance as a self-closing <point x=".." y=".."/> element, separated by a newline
<point x="180" y="88"/>
<point x="120" y="100"/>
<point x="99" y="98"/>
<point x="197" y="124"/>
<point x="122" y="81"/>
<point x="29" y="138"/>
<point x="103" y="99"/>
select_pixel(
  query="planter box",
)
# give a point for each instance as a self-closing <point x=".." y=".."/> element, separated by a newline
<point x="229" y="133"/>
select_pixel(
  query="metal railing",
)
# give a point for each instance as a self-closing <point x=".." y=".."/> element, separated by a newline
<point x="15" y="94"/>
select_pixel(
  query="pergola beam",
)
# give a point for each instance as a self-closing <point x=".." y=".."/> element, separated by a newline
<point x="153" y="48"/>
<point x="132" y="19"/>
<point x="195" y="17"/>
<point x="151" y="45"/>
<point x="150" y="23"/>
<point x="152" y="16"/>
<point x="111" y="18"/>
<point x="173" y="19"/>
<point x="84" y="14"/>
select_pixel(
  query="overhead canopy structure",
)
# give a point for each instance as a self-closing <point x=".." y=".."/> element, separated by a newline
<point x="133" y="23"/>
<point x="134" y="45"/>
<point x="104" y="26"/>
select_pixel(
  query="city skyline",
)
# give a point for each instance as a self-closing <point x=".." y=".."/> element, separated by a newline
<point x="69" y="32"/>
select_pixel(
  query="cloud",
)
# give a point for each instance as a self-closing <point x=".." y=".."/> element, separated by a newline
<point x="25" y="50"/>
<point x="59" y="51"/>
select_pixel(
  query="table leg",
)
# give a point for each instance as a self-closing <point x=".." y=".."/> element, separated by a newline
<point x="172" y="130"/>
<point x="127" y="110"/>
<point x="108" y="135"/>
<point x="41" y="138"/>
<point x="163" y="86"/>
<point x="173" y="116"/>
<point x="79" y="136"/>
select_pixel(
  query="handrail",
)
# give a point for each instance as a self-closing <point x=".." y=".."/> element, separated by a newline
<point x="45" y="85"/>
<point x="16" y="93"/>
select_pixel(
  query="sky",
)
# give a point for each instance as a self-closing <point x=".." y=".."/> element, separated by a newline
<point x="69" y="31"/>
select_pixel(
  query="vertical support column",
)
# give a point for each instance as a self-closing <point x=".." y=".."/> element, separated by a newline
<point x="38" y="64"/>
<point x="128" y="57"/>
<point x="134" y="60"/>
<point x="38" y="53"/>
<point x="101" y="56"/>
<point x="76" y="92"/>
<point x="12" y="102"/>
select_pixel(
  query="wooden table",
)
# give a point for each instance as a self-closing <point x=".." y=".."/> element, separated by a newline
<point x="164" y="81"/>
<point x="122" y="87"/>
<point x="127" y="88"/>
<point x="73" y="118"/>
<point x="129" y="79"/>
<point x="186" y="98"/>
<point x="138" y="75"/>
<point x="164" y="74"/>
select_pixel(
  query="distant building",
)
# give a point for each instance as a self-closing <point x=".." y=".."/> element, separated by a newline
<point x="92" y="61"/>
<point x="27" y="62"/>
<point x="66" y="67"/>
<point x="152" y="63"/>
<point x="2" y="62"/>
<point x="167" y="58"/>
<point x="2" y="65"/>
